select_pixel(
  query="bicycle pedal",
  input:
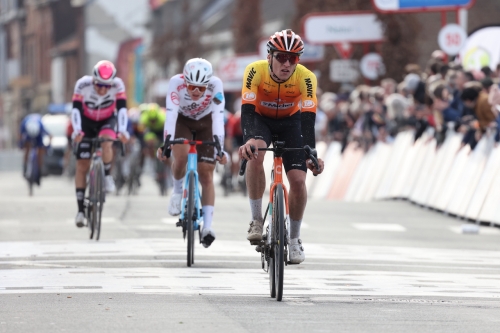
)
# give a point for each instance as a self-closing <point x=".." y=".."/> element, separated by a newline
<point x="259" y="248"/>
<point x="178" y="224"/>
<point x="291" y="263"/>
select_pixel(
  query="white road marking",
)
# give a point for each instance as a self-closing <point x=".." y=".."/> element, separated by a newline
<point x="379" y="227"/>
<point x="170" y="220"/>
<point x="246" y="282"/>
<point x="81" y="267"/>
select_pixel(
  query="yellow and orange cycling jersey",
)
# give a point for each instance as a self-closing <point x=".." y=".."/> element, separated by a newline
<point x="279" y="100"/>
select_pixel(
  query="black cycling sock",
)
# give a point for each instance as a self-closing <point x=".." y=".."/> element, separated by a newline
<point x="107" y="169"/>
<point x="80" y="194"/>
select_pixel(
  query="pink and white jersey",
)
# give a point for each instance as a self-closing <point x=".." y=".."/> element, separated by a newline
<point x="179" y="102"/>
<point x="97" y="107"/>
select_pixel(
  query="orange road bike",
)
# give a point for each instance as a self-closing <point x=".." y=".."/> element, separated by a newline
<point x="274" y="244"/>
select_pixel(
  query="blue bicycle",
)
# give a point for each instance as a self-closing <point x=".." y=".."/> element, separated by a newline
<point x="191" y="212"/>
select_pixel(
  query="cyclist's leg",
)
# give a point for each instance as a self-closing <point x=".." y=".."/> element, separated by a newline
<point x="82" y="167"/>
<point x="295" y="167"/>
<point x="256" y="178"/>
<point x="206" y="167"/>
<point x="180" y="153"/>
<point x="107" y="130"/>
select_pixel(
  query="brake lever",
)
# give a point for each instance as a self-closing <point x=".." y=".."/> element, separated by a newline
<point x="313" y="155"/>
<point x="218" y="146"/>
<point x="166" y="151"/>
<point x="244" y="163"/>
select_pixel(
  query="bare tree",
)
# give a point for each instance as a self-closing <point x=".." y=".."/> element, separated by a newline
<point x="400" y="32"/>
<point x="179" y="43"/>
<point x="247" y="25"/>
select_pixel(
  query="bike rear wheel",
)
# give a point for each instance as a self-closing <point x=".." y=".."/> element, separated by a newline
<point x="279" y="246"/>
<point x="190" y="223"/>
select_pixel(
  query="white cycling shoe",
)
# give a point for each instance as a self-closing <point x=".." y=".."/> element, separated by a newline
<point x="207" y="237"/>
<point x="109" y="184"/>
<point x="255" y="231"/>
<point x="174" y="206"/>
<point x="80" y="219"/>
<point x="296" y="251"/>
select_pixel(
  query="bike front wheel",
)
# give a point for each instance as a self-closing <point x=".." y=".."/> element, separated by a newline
<point x="100" y="202"/>
<point x="190" y="223"/>
<point x="279" y="240"/>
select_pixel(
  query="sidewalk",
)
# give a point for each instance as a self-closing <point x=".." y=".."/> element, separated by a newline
<point x="10" y="160"/>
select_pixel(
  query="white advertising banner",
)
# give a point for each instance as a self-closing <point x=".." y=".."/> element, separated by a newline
<point x="336" y="28"/>
<point x="481" y="49"/>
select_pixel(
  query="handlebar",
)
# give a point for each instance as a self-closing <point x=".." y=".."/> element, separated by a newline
<point x="166" y="151"/>
<point x="310" y="152"/>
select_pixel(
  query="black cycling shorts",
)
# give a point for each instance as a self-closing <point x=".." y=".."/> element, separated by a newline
<point x="287" y="129"/>
<point x="91" y="129"/>
<point x="203" y="128"/>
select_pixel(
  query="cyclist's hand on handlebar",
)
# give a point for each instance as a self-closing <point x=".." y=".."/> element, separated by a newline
<point x="310" y="166"/>
<point x="159" y="155"/>
<point x="222" y="160"/>
<point x="77" y="137"/>
<point x="245" y="152"/>
<point x="123" y="137"/>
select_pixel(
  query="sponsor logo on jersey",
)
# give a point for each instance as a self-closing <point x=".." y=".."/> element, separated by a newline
<point x="289" y="85"/>
<point x="249" y="96"/>
<point x="275" y="105"/>
<point x="308" y="103"/>
<point x="267" y="91"/>
<point x="84" y="84"/>
<point x="174" y="97"/>
<point x="250" y="76"/>
<point x="309" y="87"/>
<point x="180" y="87"/>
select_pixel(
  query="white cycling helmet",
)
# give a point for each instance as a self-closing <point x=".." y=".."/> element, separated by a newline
<point x="33" y="128"/>
<point x="198" y="71"/>
<point x="104" y="72"/>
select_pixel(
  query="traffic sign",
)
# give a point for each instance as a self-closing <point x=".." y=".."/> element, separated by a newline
<point x="420" y="5"/>
<point x="344" y="70"/>
<point x="451" y="39"/>
<point x="372" y="66"/>
<point x="329" y="28"/>
<point x="344" y="49"/>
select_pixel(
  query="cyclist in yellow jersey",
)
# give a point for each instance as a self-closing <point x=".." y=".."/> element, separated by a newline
<point x="279" y="98"/>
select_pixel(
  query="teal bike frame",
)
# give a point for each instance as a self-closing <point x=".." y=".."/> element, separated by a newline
<point x="191" y="213"/>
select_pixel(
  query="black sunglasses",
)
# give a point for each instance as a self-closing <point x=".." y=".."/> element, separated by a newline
<point x="102" y="85"/>
<point x="284" y="57"/>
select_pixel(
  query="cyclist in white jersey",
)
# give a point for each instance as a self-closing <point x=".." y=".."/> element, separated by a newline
<point x="95" y="101"/>
<point x="195" y="102"/>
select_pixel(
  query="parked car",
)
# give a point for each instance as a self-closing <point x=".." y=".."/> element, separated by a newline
<point x="56" y="125"/>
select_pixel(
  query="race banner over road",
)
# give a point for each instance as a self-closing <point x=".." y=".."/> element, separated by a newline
<point x="420" y="5"/>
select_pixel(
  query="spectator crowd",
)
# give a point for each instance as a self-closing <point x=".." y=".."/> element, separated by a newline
<point x="441" y="97"/>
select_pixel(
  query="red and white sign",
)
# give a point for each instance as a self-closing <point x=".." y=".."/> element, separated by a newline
<point x="344" y="49"/>
<point x="329" y="28"/>
<point x="372" y="66"/>
<point x="231" y="70"/>
<point x="451" y="39"/>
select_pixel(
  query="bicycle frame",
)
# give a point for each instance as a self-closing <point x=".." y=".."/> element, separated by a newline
<point x="277" y="178"/>
<point x="192" y="166"/>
